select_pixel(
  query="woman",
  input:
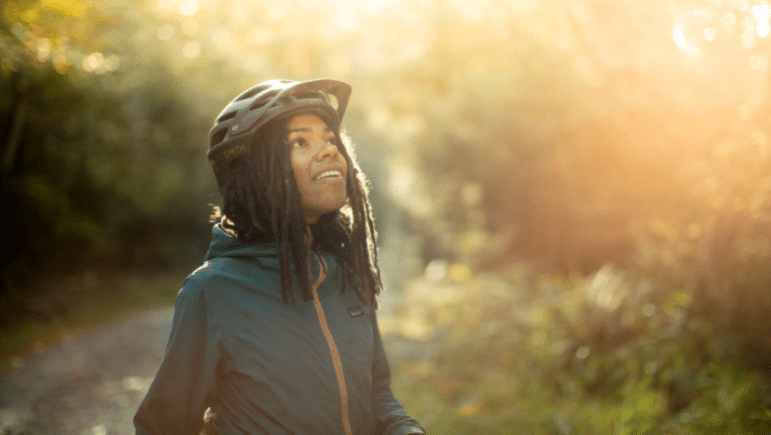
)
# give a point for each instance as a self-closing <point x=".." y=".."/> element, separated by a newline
<point x="276" y="331"/>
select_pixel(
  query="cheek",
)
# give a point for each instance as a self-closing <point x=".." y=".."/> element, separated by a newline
<point x="299" y="167"/>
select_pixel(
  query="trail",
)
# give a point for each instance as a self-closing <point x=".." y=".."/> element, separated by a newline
<point x="90" y="384"/>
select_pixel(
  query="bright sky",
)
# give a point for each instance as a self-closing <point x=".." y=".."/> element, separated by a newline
<point x="697" y="26"/>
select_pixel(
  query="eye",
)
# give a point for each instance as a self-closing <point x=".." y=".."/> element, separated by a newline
<point x="297" y="142"/>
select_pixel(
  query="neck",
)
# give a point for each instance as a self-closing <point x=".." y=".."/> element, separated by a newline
<point x="309" y="238"/>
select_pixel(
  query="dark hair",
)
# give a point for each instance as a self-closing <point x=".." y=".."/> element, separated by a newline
<point x="261" y="204"/>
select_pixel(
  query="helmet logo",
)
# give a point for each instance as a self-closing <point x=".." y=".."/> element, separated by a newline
<point x="235" y="152"/>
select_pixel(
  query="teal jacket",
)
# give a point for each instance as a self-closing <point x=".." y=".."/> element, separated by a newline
<point x="265" y="367"/>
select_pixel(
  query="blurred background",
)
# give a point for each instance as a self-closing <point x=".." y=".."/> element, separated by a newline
<point x="573" y="197"/>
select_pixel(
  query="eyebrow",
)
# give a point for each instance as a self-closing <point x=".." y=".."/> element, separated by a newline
<point x="305" y="130"/>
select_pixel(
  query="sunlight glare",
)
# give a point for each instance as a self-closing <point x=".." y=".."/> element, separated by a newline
<point x="191" y="49"/>
<point x="92" y="62"/>
<point x="43" y="49"/>
<point x="709" y="34"/>
<point x="763" y="29"/>
<point x="401" y="182"/>
<point x="188" y="8"/>
<point x="277" y="11"/>
<point x="471" y="11"/>
<point x="345" y="20"/>
<point x="682" y="43"/>
<point x="165" y="31"/>
<point x="436" y="270"/>
<point x="373" y="6"/>
<point x="762" y="13"/>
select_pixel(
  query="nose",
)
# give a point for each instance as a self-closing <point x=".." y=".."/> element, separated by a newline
<point x="328" y="150"/>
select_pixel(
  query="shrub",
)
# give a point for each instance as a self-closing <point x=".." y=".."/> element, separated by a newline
<point x="610" y="354"/>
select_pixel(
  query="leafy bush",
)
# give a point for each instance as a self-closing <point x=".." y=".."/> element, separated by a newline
<point x="612" y="354"/>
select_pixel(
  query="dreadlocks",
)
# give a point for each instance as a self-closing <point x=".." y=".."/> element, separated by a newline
<point x="261" y="204"/>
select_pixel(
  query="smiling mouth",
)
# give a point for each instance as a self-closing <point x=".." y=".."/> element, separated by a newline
<point x="329" y="175"/>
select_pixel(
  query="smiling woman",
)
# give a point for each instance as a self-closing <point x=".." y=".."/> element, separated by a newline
<point x="243" y="351"/>
<point x="318" y="166"/>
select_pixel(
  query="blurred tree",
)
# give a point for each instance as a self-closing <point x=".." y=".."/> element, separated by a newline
<point x="98" y="150"/>
<point x="581" y="133"/>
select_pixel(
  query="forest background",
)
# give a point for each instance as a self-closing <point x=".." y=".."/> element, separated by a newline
<point x="576" y="194"/>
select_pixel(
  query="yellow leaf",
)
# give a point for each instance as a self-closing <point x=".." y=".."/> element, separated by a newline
<point x="74" y="8"/>
<point x="30" y="15"/>
<point x="460" y="272"/>
<point x="470" y="409"/>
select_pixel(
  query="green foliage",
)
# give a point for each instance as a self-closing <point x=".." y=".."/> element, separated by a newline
<point x="612" y="354"/>
<point x="97" y="161"/>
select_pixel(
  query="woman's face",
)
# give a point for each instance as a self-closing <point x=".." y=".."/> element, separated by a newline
<point x="319" y="168"/>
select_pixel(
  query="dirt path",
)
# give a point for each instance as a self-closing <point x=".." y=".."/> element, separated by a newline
<point x="93" y="383"/>
<point x="90" y="384"/>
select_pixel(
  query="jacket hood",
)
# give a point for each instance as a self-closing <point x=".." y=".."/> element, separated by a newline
<point x="225" y="245"/>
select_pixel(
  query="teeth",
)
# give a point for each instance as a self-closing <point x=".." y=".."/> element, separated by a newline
<point x="329" y="174"/>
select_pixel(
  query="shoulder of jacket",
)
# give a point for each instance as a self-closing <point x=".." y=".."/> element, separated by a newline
<point x="214" y="269"/>
<point x="202" y="278"/>
<point x="227" y="273"/>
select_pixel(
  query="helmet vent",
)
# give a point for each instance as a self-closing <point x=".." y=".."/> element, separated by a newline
<point x="250" y="93"/>
<point x="332" y="99"/>
<point x="218" y="136"/>
<point x="227" y="116"/>
<point x="257" y="104"/>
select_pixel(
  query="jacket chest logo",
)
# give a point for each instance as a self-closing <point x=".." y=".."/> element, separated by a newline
<point x="355" y="311"/>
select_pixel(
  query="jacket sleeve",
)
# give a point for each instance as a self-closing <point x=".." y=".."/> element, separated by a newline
<point x="391" y="418"/>
<point x="185" y="382"/>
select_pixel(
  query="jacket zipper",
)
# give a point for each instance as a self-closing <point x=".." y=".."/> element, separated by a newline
<point x="336" y="361"/>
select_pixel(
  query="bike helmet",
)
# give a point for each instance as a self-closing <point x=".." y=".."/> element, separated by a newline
<point x="237" y="124"/>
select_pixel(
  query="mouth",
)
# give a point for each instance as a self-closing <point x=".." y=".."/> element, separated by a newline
<point x="332" y="174"/>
